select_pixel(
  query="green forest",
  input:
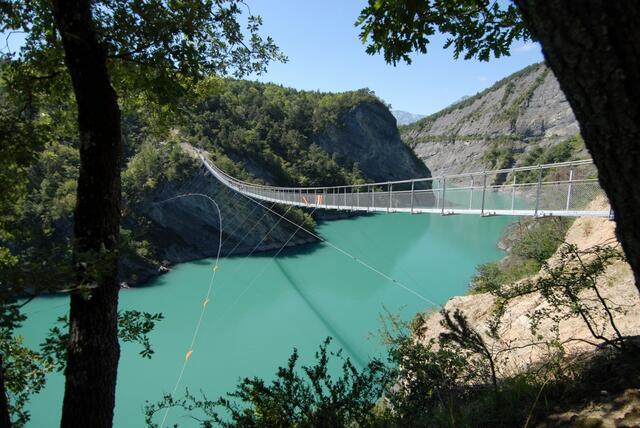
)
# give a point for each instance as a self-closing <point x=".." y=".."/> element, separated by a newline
<point x="98" y="100"/>
<point x="269" y="127"/>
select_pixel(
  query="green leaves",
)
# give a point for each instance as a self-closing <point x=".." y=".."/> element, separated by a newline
<point x="570" y="287"/>
<point x="135" y="326"/>
<point x="475" y="29"/>
<point x="156" y="50"/>
<point x="24" y="374"/>
<point x="307" y="397"/>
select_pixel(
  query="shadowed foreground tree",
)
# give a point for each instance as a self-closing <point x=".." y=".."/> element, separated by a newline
<point x="592" y="47"/>
<point x="156" y="51"/>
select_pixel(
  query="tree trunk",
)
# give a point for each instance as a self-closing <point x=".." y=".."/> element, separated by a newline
<point x="93" y="351"/>
<point x="5" y="420"/>
<point x="593" y="48"/>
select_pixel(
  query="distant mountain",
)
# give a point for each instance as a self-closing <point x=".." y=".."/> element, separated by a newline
<point x="522" y="114"/>
<point x="405" y="118"/>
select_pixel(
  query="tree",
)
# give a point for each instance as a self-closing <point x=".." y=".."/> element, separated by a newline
<point x="591" y="46"/>
<point x="155" y="50"/>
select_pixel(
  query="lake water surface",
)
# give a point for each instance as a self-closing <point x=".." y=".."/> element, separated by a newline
<point x="295" y="300"/>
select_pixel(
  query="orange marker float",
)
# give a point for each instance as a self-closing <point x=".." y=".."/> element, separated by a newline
<point x="186" y="357"/>
<point x="215" y="268"/>
<point x="206" y="302"/>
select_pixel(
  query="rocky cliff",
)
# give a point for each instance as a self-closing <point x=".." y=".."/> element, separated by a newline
<point x="518" y="113"/>
<point x="515" y="336"/>
<point x="187" y="228"/>
<point x="367" y="134"/>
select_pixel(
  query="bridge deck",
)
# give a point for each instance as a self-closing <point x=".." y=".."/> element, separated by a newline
<point x="564" y="189"/>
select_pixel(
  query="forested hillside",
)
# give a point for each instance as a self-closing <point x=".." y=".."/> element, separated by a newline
<point x="516" y="121"/>
<point x="303" y="138"/>
<point x="256" y="131"/>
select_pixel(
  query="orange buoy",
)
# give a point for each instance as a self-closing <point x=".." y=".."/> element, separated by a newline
<point x="186" y="357"/>
<point x="215" y="268"/>
<point x="206" y="302"/>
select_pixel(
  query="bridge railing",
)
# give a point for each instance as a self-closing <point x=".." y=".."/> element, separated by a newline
<point x="555" y="189"/>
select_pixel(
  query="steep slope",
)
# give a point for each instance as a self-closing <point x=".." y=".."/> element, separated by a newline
<point x="257" y="132"/>
<point x="275" y="135"/>
<point x="492" y="129"/>
<point x="298" y="138"/>
<point x="368" y="137"/>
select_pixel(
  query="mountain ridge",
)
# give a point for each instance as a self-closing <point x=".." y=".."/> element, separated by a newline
<point x="523" y="112"/>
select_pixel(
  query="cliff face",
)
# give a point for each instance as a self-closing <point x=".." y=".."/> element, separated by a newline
<point x="524" y="110"/>
<point x="515" y="335"/>
<point x="368" y="135"/>
<point x="187" y="228"/>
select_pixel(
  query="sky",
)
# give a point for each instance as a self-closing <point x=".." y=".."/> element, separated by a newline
<point x="325" y="53"/>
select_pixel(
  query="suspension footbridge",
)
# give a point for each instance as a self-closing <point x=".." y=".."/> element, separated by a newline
<point x="560" y="189"/>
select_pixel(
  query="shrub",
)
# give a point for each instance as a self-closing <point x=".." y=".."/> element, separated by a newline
<point x="488" y="277"/>
<point x="310" y="397"/>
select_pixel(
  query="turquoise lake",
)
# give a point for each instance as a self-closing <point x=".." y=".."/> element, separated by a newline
<point x="295" y="300"/>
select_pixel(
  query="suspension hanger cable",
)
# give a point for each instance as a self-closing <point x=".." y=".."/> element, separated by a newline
<point x="264" y="268"/>
<point x="347" y="254"/>
<point x="208" y="295"/>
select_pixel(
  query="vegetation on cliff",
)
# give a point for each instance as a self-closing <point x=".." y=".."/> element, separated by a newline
<point x="273" y="129"/>
<point x="424" y="125"/>
<point x="444" y="370"/>
<point x="249" y="128"/>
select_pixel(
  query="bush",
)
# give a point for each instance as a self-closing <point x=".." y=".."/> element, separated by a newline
<point x="533" y="242"/>
<point x="541" y="239"/>
<point x="310" y="397"/>
<point x="488" y="277"/>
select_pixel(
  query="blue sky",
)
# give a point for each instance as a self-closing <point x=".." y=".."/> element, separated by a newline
<point x="325" y="53"/>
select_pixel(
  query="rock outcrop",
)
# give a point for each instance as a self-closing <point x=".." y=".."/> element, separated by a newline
<point x="515" y="338"/>
<point x="368" y="135"/>
<point x="187" y="228"/>
<point x="521" y="111"/>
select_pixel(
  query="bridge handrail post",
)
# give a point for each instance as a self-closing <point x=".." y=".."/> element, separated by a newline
<point x="538" y="187"/>
<point x="351" y="191"/>
<point x="484" y="192"/>
<point x="358" y="197"/>
<point x="471" y="196"/>
<point x="389" y="187"/>
<point x="373" y="196"/>
<point x="569" y="189"/>
<point x="345" y="196"/>
<point x="412" y="192"/>
<point x="444" y="189"/>
<point x="513" y="191"/>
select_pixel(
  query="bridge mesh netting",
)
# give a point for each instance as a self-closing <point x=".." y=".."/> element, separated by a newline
<point x="562" y="189"/>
